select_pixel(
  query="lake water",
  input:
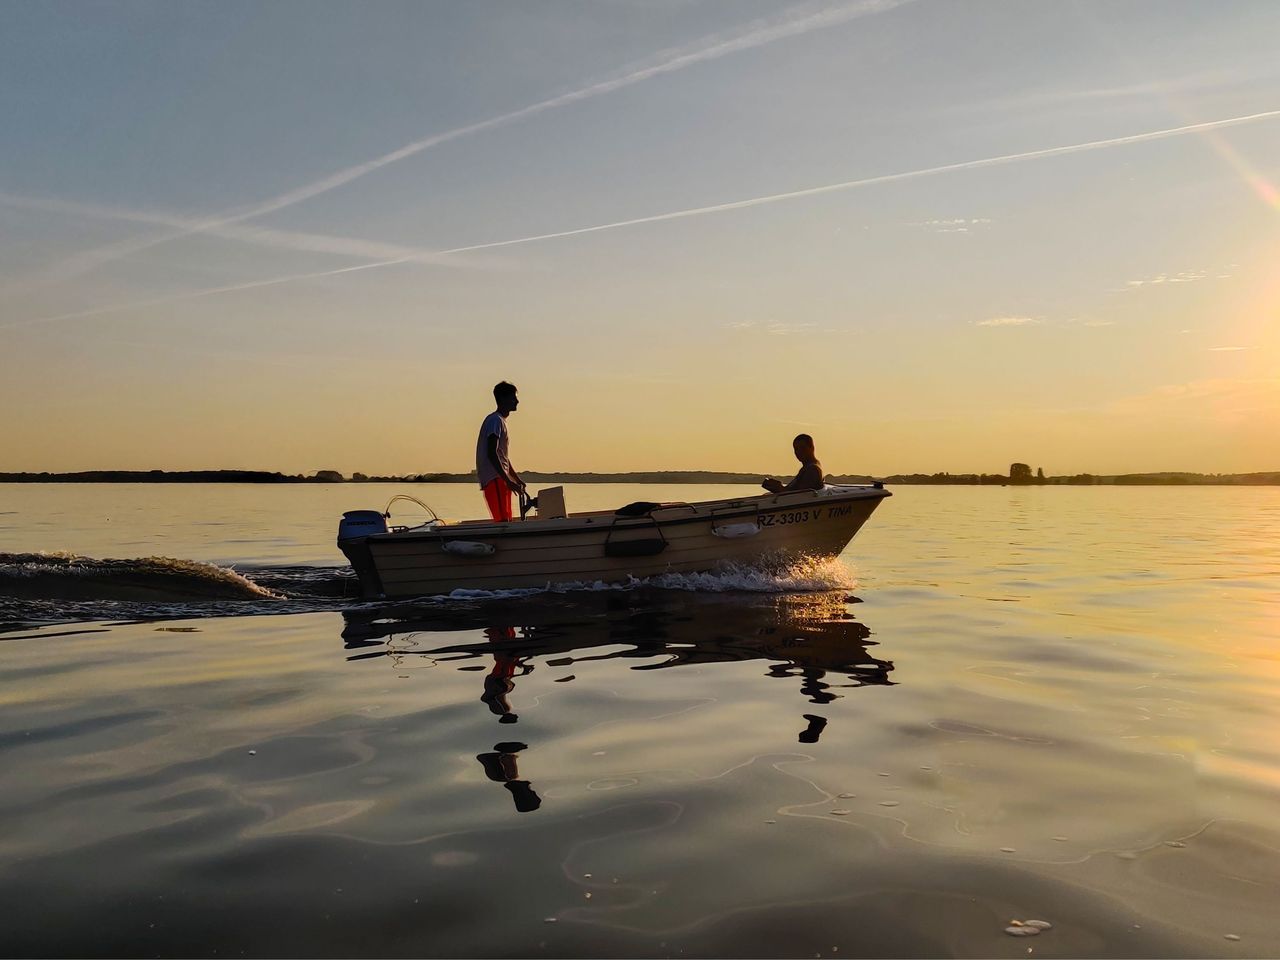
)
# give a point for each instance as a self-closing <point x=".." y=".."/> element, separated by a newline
<point x="1000" y="704"/>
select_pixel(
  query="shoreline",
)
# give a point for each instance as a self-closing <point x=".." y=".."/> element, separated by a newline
<point x="1164" y="478"/>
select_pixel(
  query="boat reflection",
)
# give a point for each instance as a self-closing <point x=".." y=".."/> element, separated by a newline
<point x="810" y="638"/>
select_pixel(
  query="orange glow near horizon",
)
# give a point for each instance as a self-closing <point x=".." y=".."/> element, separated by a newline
<point x="686" y="233"/>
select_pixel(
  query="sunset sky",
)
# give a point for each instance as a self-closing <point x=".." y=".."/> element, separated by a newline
<point x="313" y="235"/>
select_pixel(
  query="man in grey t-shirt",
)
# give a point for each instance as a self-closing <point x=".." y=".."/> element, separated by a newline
<point x="810" y="475"/>
<point x="493" y="468"/>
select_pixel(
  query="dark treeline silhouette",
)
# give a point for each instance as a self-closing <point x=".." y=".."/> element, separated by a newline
<point x="1020" y="474"/>
<point x="154" y="476"/>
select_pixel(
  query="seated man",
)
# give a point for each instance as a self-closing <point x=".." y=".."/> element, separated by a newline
<point x="810" y="475"/>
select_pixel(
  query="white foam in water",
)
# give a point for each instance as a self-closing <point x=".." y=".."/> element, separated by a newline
<point x="192" y="572"/>
<point x="806" y="575"/>
<point x="43" y="561"/>
<point x="62" y="587"/>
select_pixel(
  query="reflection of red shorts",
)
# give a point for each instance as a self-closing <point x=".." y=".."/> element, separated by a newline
<point x="497" y="494"/>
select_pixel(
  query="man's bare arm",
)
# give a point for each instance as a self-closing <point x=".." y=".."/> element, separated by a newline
<point x="505" y="470"/>
<point x="808" y="478"/>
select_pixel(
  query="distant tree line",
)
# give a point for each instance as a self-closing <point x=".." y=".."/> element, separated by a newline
<point x="1020" y="474"/>
<point x="155" y="476"/>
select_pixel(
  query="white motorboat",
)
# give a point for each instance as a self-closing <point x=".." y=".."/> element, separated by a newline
<point x="637" y="541"/>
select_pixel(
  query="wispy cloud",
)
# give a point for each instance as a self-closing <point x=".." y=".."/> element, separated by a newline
<point x="1226" y="349"/>
<point x="1007" y="158"/>
<point x="757" y="33"/>
<point x="1186" y="276"/>
<point x="1182" y="276"/>
<point x="954" y="225"/>
<point x="779" y="328"/>
<point x="790" y="329"/>
<point x="1008" y="322"/>
<point x="1187" y="83"/>
<point x="1247" y="400"/>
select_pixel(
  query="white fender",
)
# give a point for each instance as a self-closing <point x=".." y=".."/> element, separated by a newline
<point x="468" y="548"/>
<point x="735" y="531"/>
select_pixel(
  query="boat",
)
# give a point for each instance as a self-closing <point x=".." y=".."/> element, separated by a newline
<point x="636" y="541"/>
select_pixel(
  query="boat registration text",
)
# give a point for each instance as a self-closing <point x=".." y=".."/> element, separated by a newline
<point x="802" y="516"/>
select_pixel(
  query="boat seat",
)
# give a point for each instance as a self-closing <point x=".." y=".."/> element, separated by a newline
<point x="642" y="508"/>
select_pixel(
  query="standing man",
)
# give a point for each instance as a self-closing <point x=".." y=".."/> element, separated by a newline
<point x="493" y="469"/>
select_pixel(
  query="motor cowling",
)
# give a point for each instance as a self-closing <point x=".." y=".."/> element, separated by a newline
<point x="361" y="523"/>
<point x="354" y="530"/>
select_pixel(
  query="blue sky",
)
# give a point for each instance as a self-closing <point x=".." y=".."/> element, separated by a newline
<point x="165" y="168"/>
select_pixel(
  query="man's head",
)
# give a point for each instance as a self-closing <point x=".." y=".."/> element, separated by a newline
<point x="803" y="446"/>
<point x="505" y="394"/>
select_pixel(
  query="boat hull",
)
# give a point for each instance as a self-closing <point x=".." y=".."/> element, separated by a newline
<point x="607" y="548"/>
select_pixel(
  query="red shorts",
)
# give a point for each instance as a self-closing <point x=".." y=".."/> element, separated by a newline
<point x="497" y="494"/>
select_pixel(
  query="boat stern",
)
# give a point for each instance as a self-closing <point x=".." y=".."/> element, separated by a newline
<point x="354" y="530"/>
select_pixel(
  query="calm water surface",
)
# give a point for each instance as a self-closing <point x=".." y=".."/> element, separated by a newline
<point x="1056" y="704"/>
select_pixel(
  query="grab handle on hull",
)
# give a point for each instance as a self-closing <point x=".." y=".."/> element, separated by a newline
<point x="634" y="548"/>
<point x="736" y="531"/>
<point x="648" y="547"/>
<point x="468" y="548"/>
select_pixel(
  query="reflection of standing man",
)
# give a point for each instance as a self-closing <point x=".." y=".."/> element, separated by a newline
<point x="499" y="681"/>
<point x="493" y="468"/>
<point x="501" y="766"/>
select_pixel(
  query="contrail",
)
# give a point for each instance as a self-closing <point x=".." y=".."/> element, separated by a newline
<point x="884" y="178"/>
<point x="248" y="233"/>
<point x="720" y="207"/>
<point x="756" y="33"/>
<point x="198" y="294"/>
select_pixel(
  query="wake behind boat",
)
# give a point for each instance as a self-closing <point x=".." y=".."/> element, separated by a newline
<point x="636" y="541"/>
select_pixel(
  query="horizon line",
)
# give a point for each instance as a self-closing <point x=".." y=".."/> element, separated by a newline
<point x="411" y="477"/>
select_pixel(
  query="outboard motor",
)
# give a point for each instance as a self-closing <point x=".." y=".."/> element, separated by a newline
<point x="361" y="523"/>
<point x="354" y="530"/>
